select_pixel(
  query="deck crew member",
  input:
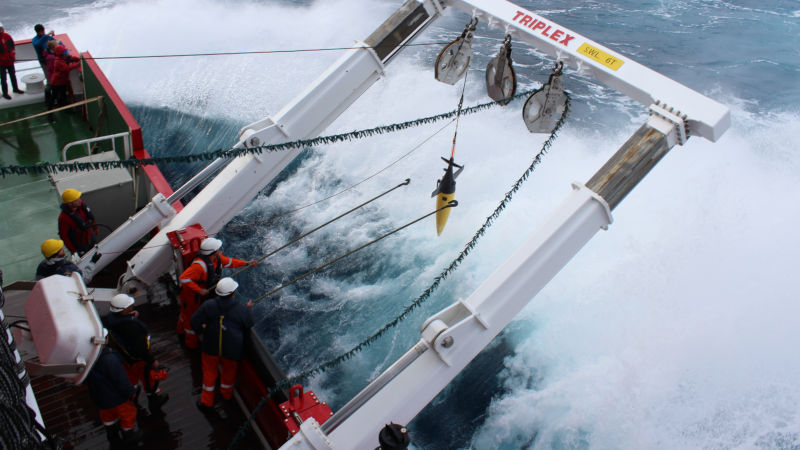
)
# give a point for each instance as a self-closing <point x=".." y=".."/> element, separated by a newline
<point x="76" y="224"/>
<point x="59" y="78"/>
<point x="50" y="62"/>
<point x="198" y="281"/>
<point x="223" y="323"/>
<point x="129" y="336"/>
<point x="110" y="389"/>
<point x="40" y="42"/>
<point x="7" y="58"/>
<point x="55" y="260"/>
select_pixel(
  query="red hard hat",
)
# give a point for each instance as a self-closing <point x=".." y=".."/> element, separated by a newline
<point x="60" y="49"/>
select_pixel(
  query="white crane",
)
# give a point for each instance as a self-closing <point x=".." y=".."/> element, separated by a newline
<point x="451" y="338"/>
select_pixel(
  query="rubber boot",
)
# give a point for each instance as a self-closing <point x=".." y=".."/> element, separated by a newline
<point x="114" y="435"/>
<point x="205" y="409"/>
<point x="155" y="401"/>
<point x="140" y="410"/>
<point x="132" y="437"/>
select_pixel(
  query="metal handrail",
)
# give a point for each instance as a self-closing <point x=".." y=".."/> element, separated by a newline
<point x="88" y="143"/>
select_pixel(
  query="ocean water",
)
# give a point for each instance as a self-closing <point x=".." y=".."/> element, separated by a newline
<point x="676" y="328"/>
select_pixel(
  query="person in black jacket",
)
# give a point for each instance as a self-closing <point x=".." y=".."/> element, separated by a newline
<point x="131" y="338"/>
<point x="111" y="391"/>
<point x="223" y="323"/>
<point x="55" y="261"/>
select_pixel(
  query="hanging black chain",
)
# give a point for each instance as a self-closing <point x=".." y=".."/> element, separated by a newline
<point x="46" y="167"/>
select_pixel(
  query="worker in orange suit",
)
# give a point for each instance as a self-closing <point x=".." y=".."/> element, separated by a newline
<point x="223" y="323"/>
<point x="130" y="336"/>
<point x="112" y="393"/>
<point x="198" y="281"/>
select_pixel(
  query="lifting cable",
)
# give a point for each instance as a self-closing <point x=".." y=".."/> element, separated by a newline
<point x="334" y="362"/>
<point x="452" y="204"/>
<point x="458" y="114"/>
<point x="405" y="183"/>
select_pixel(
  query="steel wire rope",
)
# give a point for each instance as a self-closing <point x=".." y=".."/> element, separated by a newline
<point x="304" y="235"/>
<point x="331" y="363"/>
<point x="451" y="204"/>
<point x="249" y="52"/>
<point x="255" y="52"/>
<point x="460" y="104"/>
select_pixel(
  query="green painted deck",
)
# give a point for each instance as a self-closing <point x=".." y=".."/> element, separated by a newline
<point x="30" y="203"/>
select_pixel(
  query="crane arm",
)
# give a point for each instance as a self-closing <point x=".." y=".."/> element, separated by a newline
<point x="703" y="116"/>
<point x="451" y="338"/>
<point x="303" y="118"/>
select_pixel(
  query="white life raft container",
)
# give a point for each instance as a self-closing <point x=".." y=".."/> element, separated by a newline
<point x="65" y="326"/>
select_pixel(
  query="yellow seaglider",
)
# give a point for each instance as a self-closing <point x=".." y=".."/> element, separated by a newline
<point x="445" y="192"/>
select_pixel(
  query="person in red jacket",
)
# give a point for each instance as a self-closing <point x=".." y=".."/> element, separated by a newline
<point x="59" y="79"/>
<point x="7" y="58"/>
<point x="49" y="55"/>
<point x="76" y="224"/>
<point x="198" y="281"/>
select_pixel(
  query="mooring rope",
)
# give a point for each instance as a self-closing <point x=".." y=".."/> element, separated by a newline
<point x="334" y="362"/>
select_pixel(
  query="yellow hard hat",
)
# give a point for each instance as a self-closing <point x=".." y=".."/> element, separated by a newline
<point x="70" y="195"/>
<point x="51" y="246"/>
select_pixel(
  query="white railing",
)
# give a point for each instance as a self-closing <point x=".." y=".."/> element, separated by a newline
<point x="89" y="142"/>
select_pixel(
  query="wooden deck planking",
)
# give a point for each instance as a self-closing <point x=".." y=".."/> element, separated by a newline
<point x="69" y="414"/>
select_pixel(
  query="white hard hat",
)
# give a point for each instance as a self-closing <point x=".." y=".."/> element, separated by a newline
<point x="210" y="245"/>
<point x="226" y="286"/>
<point x="119" y="302"/>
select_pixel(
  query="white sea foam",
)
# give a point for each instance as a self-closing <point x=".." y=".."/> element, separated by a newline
<point x="676" y="328"/>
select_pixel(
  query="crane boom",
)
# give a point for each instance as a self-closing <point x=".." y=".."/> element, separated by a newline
<point x="336" y="89"/>
<point x="303" y="118"/>
<point x="451" y="338"/>
<point x="704" y="116"/>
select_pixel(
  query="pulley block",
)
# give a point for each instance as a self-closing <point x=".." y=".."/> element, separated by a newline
<point x="501" y="82"/>
<point x="543" y="109"/>
<point x="453" y="60"/>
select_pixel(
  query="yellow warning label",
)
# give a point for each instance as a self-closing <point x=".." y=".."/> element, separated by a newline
<point x="612" y="62"/>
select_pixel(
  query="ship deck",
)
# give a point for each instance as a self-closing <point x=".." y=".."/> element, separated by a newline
<point x="30" y="201"/>
<point x="70" y="415"/>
